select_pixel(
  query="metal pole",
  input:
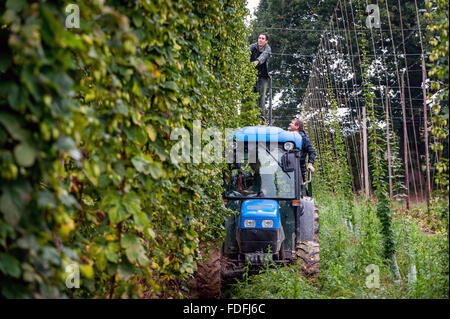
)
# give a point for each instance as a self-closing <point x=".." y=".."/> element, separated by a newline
<point x="270" y="100"/>
<point x="366" y="157"/>
<point x="425" y="115"/>
<point x="405" y="138"/>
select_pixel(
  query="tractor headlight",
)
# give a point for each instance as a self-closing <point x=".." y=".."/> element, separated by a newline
<point x="249" y="223"/>
<point x="288" y="146"/>
<point x="267" y="223"/>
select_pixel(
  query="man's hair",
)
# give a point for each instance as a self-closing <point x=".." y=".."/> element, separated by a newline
<point x="266" y="35"/>
<point x="299" y="124"/>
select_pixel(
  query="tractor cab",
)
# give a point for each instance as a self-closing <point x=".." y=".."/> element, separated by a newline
<point x="264" y="186"/>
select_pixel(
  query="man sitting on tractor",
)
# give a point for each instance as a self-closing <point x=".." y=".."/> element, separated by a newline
<point x="297" y="125"/>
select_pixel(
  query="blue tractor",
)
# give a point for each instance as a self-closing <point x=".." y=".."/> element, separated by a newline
<point x="276" y="220"/>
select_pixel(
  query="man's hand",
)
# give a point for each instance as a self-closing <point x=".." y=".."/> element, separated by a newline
<point x="255" y="63"/>
<point x="311" y="167"/>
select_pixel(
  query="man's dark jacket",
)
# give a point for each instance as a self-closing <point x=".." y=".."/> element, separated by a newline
<point x="263" y="58"/>
<point x="307" y="149"/>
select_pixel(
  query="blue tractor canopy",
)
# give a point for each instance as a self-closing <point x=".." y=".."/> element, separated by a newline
<point x="267" y="134"/>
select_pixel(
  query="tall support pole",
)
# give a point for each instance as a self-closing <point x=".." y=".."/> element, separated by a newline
<point x="361" y="152"/>
<point x="408" y="85"/>
<point x="388" y="142"/>
<point x="270" y="100"/>
<point x="397" y="73"/>
<point x="386" y="111"/>
<point x="365" y="152"/>
<point x="405" y="138"/>
<point x="362" y="119"/>
<point x="425" y="117"/>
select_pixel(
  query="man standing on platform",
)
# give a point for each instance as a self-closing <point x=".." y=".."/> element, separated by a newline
<point x="260" y="53"/>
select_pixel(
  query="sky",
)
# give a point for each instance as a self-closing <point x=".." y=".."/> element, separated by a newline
<point x="251" y="5"/>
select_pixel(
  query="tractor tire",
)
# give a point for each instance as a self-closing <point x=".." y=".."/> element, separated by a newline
<point x="206" y="282"/>
<point x="308" y="252"/>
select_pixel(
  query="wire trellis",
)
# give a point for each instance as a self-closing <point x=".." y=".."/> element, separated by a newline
<point x="392" y="84"/>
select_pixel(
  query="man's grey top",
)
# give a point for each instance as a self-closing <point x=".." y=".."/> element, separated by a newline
<point x="263" y="58"/>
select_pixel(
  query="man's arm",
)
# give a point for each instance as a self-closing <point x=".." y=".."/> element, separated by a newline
<point x="252" y="48"/>
<point x="265" y="54"/>
<point x="310" y="150"/>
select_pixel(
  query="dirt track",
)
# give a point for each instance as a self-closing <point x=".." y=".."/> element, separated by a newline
<point x="207" y="282"/>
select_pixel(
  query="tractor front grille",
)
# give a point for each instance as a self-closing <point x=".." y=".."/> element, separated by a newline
<point x="259" y="240"/>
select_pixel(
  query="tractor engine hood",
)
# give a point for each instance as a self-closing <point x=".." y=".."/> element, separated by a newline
<point x="260" y="229"/>
<point x="260" y="214"/>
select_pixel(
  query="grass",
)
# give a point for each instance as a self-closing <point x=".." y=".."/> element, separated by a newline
<point x="350" y="253"/>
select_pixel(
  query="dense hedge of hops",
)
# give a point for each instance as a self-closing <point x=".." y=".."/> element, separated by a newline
<point x="86" y="113"/>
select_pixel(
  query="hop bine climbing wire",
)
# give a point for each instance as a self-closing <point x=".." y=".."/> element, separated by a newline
<point x="366" y="106"/>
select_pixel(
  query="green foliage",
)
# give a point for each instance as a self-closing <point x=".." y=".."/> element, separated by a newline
<point x="437" y="37"/>
<point x="338" y="168"/>
<point x="86" y="176"/>
<point x="334" y="177"/>
<point x="398" y="171"/>
<point x="377" y="148"/>
<point x="274" y="283"/>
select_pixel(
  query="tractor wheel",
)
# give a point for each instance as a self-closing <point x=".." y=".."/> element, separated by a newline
<point x="206" y="283"/>
<point x="309" y="251"/>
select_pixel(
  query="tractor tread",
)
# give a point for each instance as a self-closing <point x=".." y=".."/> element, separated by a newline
<point x="309" y="251"/>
